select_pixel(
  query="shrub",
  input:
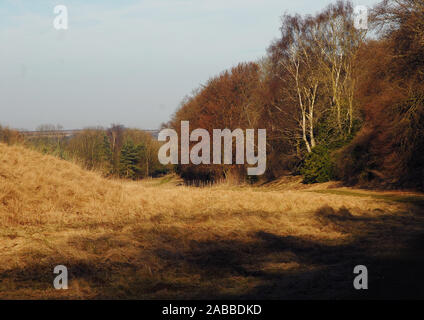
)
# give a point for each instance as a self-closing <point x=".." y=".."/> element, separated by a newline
<point x="130" y="156"/>
<point x="317" y="166"/>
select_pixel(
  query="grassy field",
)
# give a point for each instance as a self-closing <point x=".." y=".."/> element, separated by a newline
<point x="158" y="239"/>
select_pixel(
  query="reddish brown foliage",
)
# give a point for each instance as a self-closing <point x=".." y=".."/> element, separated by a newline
<point x="389" y="151"/>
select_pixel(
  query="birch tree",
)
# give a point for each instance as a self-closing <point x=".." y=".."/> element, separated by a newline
<point x="339" y="41"/>
<point x="296" y="58"/>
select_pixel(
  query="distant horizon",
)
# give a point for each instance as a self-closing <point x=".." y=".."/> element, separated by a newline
<point x="80" y="129"/>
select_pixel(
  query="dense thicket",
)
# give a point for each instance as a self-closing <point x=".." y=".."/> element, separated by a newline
<point x="335" y="103"/>
<point x="389" y="150"/>
<point x="301" y="92"/>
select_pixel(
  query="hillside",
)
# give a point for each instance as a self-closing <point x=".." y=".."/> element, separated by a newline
<point x="155" y="239"/>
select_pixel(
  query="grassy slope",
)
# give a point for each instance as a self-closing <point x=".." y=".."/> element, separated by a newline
<point x="154" y="239"/>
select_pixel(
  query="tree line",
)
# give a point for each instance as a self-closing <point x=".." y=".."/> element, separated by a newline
<point x="337" y="102"/>
<point x="116" y="151"/>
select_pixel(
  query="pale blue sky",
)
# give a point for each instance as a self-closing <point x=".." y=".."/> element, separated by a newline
<point x="126" y="61"/>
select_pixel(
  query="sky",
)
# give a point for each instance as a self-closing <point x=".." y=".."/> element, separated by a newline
<point x="129" y="61"/>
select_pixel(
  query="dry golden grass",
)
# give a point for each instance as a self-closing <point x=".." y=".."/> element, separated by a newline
<point x="154" y="239"/>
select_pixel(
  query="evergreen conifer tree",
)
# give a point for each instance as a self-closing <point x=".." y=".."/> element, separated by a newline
<point x="130" y="160"/>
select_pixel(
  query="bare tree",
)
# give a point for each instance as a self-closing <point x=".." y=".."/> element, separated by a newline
<point x="297" y="60"/>
<point x="338" y="41"/>
<point x="116" y="137"/>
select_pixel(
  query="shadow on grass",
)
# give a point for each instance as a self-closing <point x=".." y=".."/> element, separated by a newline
<point x="411" y="199"/>
<point x="288" y="267"/>
<point x="261" y="266"/>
